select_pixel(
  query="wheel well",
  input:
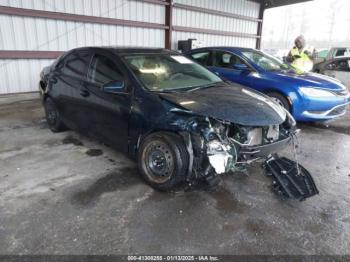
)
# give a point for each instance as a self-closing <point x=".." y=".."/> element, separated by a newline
<point x="43" y="85"/>
<point x="135" y="147"/>
<point x="267" y="92"/>
<point x="152" y="132"/>
<point x="43" y="91"/>
<point x="45" y="96"/>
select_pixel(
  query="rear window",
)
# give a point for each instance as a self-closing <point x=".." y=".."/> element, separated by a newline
<point x="76" y="64"/>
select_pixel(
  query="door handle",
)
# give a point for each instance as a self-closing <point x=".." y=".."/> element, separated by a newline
<point x="53" y="80"/>
<point x="138" y="99"/>
<point x="84" y="93"/>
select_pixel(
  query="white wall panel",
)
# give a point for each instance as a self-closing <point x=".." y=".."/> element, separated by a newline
<point x="215" y="22"/>
<point x="26" y="33"/>
<point x="57" y="35"/>
<point x="121" y="9"/>
<point x="20" y="75"/>
<point x="241" y="7"/>
<point x="214" y="40"/>
<point x="187" y="18"/>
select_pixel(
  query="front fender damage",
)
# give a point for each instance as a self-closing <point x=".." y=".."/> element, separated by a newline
<point x="217" y="147"/>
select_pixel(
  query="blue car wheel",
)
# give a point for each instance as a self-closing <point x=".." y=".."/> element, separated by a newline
<point x="280" y="99"/>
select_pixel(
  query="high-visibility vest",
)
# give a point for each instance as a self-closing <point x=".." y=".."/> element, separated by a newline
<point x="303" y="63"/>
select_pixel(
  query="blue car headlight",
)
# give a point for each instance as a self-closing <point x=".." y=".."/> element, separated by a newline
<point x="315" y="92"/>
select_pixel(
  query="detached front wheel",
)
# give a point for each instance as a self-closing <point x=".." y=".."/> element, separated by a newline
<point x="163" y="160"/>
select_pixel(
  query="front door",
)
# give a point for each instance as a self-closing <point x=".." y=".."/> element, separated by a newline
<point x="108" y="113"/>
<point x="230" y="67"/>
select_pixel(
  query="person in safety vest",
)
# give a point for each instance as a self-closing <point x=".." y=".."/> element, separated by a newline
<point x="301" y="56"/>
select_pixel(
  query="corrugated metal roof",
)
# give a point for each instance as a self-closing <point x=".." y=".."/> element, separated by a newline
<point x="277" y="3"/>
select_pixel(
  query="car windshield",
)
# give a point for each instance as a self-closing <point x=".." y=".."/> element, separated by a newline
<point x="265" y="61"/>
<point x="167" y="72"/>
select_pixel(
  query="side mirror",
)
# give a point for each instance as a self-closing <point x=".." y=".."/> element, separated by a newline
<point x="240" y="67"/>
<point x="114" y="87"/>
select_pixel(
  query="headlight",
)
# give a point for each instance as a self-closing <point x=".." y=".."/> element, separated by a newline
<point x="314" y="92"/>
<point x="215" y="146"/>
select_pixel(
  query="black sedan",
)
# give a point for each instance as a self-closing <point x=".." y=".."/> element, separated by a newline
<point x="180" y="121"/>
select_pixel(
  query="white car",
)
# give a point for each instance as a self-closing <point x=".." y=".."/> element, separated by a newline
<point x="329" y="54"/>
<point x="338" y="68"/>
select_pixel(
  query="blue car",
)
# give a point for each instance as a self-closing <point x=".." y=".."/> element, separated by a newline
<point x="308" y="96"/>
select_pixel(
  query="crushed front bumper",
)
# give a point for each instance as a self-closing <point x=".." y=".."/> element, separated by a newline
<point x="290" y="178"/>
<point x="263" y="151"/>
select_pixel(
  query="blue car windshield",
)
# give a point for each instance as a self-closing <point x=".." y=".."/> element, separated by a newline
<point x="266" y="62"/>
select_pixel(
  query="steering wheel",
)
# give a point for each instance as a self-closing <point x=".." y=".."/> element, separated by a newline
<point x="175" y="75"/>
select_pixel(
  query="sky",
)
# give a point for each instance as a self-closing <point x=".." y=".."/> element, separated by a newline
<point x="323" y="23"/>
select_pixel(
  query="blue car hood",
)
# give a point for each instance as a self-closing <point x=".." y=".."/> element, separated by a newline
<point x="310" y="80"/>
<point x="234" y="103"/>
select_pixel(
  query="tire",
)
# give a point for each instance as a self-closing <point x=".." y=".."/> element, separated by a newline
<point x="280" y="99"/>
<point x="163" y="160"/>
<point x="53" y="118"/>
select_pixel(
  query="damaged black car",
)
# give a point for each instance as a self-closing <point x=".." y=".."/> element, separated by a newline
<point x="181" y="122"/>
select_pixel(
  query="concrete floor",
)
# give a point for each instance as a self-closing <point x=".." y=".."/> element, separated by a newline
<point x="66" y="194"/>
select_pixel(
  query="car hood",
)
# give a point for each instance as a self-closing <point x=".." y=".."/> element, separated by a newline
<point x="311" y="80"/>
<point x="236" y="104"/>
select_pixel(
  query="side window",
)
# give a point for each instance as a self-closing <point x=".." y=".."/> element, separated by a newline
<point x="75" y="64"/>
<point x="104" y="70"/>
<point x="340" y="52"/>
<point x="226" y="60"/>
<point x="202" y="58"/>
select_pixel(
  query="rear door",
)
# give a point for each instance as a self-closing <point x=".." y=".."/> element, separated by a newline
<point x="108" y="113"/>
<point x="68" y="79"/>
<point x="339" y="69"/>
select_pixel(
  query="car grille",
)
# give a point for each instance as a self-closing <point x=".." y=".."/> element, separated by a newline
<point x="343" y="92"/>
<point x="338" y="110"/>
